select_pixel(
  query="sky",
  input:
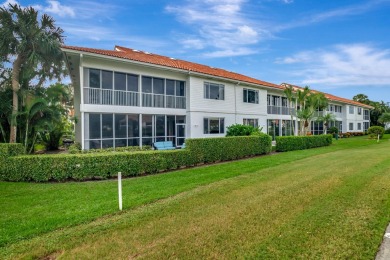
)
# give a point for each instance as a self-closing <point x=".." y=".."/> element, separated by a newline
<point x="341" y="47"/>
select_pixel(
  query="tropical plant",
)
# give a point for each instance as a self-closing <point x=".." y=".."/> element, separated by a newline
<point x="326" y="119"/>
<point x="29" y="45"/>
<point x="241" y="130"/>
<point x="376" y="131"/>
<point x="384" y="118"/>
<point x="292" y="100"/>
<point x="309" y="103"/>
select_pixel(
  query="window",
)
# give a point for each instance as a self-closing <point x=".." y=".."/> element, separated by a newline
<point x="214" y="125"/>
<point x="366" y="125"/>
<point x="214" y="91"/>
<point x="350" y="126"/>
<point x="351" y="109"/>
<point x="251" y="121"/>
<point x="251" y="96"/>
<point x="337" y="109"/>
<point x="359" y="109"/>
<point x="359" y="126"/>
<point x="366" y="115"/>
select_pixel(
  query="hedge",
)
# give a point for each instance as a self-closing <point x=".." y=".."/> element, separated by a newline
<point x="61" y="167"/>
<point x="206" y="150"/>
<point x="7" y="150"/>
<point x="290" y="143"/>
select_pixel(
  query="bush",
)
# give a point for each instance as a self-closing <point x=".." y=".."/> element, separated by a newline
<point x="7" y="150"/>
<point x="63" y="167"/>
<point x="387" y="131"/>
<point x="374" y="131"/>
<point x="208" y="150"/>
<point x="333" y="130"/>
<point x="290" y="143"/>
<point x="241" y="130"/>
<point x="76" y="149"/>
<point x="106" y="164"/>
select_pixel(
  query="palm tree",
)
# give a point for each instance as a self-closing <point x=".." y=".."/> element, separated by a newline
<point x="384" y="119"/>
<point x="326" y="119"/>
<point x="302" y="113"/>
<point x="290" y="95"/>
<point x="29" y="43"/>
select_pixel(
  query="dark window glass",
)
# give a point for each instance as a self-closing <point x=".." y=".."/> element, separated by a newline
<point x="94" y="78"/>
<point x="95" y="144"/>
<point x="107" y="129"/>
<point x="94" y="126"/>
<point x="158" y="86"/>
<point x="206" y="125"/>
<point x="171" y="125"/>
<point x="132" y="83"/>
<point x="180" y="88"/>
<point x="133" y="125"/>
<point x="206" y="90"/>
<point x="245" y="95"/>
<point x="120" y="142"/>
<point x="106" y="79"/>
<point x="107" y="143"/>
<point x="180" y="119"/>
<point x="146" y="84"/>
<point x="214" y="92"/>
<point x="120" y="126"/>
<point x="147" y="126"/>
<point x="170" y="87"/>
<point x="160" y="125"/>
<point x="221" y="126"/>
<point x="251" y="96"/>
<point x="133" y="142"/>
<point x="214" y="126"/>
<point x="120" y="81"/>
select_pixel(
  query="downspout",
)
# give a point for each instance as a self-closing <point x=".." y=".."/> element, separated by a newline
<point x="235" y="102"/>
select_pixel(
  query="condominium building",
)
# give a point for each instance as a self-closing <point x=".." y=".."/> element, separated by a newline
<point x="128" y="97"/>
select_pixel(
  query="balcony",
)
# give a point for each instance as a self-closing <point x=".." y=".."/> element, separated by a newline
<point x="98" y="96"/>
<point x="277" y="110"/>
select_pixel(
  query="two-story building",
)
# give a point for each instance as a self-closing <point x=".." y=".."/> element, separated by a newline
<point x="127" y="97"/>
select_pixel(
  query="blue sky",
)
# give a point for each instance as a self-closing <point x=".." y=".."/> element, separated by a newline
<point x="341" y="47"/>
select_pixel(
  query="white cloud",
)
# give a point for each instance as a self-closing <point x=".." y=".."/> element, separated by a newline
<point x="55" y="7"/>
<point x="220" y="25"/>
<point x="353" y="65"/>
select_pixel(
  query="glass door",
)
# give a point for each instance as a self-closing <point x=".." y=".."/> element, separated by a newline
<point x="180" y="134"/>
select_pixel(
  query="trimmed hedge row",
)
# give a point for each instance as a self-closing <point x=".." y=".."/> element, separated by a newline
<point x="206" y="150"/>
<point x="290" y="143"/>
<point x="62" y="167"/>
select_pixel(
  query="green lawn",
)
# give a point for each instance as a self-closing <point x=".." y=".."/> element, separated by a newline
<point x="330" y="202"/>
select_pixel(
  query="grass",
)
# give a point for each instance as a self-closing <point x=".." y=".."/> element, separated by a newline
<point x="318" y="203"/>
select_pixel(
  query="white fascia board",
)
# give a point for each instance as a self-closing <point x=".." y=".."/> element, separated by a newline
<point x="150" y="65"/>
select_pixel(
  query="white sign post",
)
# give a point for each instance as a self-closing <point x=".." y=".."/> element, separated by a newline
<point x="120" y="190"/>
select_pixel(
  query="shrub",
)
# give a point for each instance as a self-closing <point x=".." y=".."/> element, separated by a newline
<point x="387" y="131"/>
<point x="62" y="167"/>
<point x="7" y="150"/>
<point x="76" y="149"/>
<point x="228" y="148"/>
<point x="105" y="164"/>
<point x="290" y="143"/>
<point x="333" y="130"/>
<point x="374" y="131"/>
<point x="241" y="130"/>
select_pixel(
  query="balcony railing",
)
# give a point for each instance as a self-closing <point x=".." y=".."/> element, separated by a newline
<point x="277" y="110"/>
<point x="98" y="96"/>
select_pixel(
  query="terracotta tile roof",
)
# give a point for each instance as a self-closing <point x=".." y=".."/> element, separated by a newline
<point x="146" y="57"/>
<point x="331" y="97"/>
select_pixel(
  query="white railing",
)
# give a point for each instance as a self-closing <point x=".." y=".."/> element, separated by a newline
<point x="110" y="97"/>
<point x="277" y="110"/>
<point x="99" y="96"/>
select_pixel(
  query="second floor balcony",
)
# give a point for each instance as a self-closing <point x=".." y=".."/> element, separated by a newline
<point x="98" y="96"/>
<point x="280" y="110"/>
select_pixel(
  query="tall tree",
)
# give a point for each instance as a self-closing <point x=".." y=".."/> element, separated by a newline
<point x="291" y="97"/>
<point x="29" y="44"/>
<point x="379" y="108"/>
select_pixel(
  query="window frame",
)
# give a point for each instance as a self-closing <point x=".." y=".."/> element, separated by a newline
<point x="207" y="88"/>
<point x="247" y="121"/>
<point x="245" y="94"/>
<point x="221" y="125"/>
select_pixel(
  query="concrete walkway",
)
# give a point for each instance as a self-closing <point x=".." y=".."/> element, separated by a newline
<point x="384" y="250"/>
